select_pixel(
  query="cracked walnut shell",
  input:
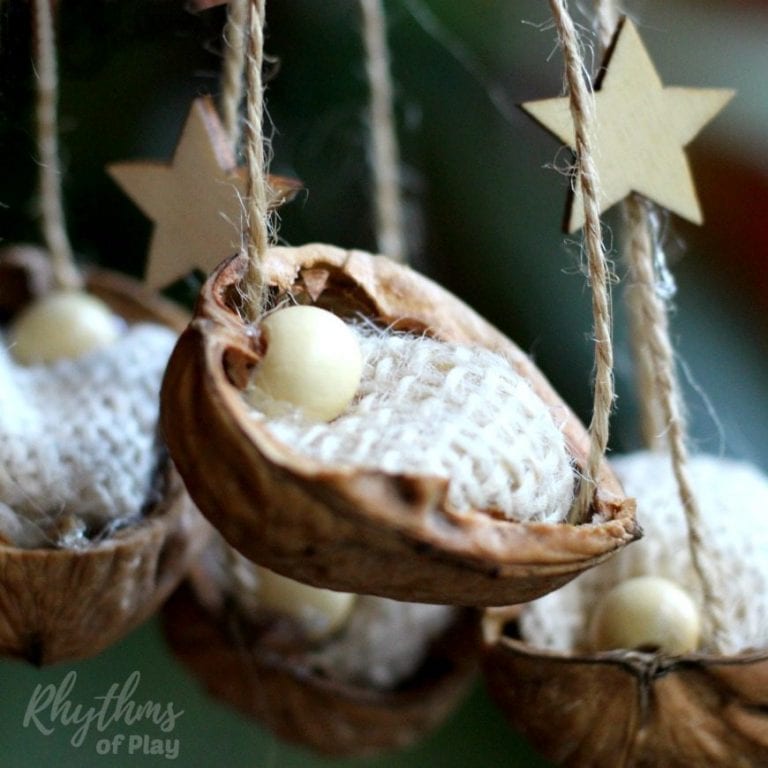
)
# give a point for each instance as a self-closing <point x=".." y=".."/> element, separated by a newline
<point x="628" y="708"/>
<point x="266" y="673"/>
<point x="66" y="604"/>
<point x="349" y="529"/>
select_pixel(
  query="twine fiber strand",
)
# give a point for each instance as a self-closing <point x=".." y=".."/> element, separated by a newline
<point x="583" y="112"/>
<point x="606" y="20"/>
<point x="65" y="272"/>
<point x="385" y="159"/>
<point x="649" y="411"/>
<point x="651" y="419"/>
<point x="660" y="397"/>
<point x="255" y="158"/>
<point x="232" y="69"/>
<point x="654" y="336"/>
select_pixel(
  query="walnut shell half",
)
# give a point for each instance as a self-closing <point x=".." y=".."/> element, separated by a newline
<point x="360" y="530"/>
<point x="66" y="604"/>
<point x="284" y="693"/>
<point x="630" y="709"/>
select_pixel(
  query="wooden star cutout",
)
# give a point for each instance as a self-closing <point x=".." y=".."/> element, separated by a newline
<point x="641" y="130"/>
<point x="195" y="201"/>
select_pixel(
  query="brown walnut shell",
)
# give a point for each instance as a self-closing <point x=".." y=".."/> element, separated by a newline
<point x="349" y="529"/>
<point x="66" y="604"/>
<point x="624" y="709"/>
<point x="300" y="705"/>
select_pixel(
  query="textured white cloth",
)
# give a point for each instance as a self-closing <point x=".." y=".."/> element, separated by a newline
<point x="381" y="643"/>
<point x="430" y="408"/>
<point x="733" y="499"/>
<point x="78" y="437"/>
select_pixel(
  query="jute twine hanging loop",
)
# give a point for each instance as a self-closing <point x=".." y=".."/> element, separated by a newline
<point x="65" y="272"/>
<point x="699" y="708"/>
<point x="582" y="110"/>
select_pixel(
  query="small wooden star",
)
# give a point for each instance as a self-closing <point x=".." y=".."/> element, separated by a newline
<point x="195" y="201"/>
<point x="641" y="130"/>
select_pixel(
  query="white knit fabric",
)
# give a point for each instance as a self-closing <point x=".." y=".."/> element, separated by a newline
<point x="78" y="438"/>
<point x="462" y="413"/>
<point x="733" y="498"/>
<point x="381" y="643"/>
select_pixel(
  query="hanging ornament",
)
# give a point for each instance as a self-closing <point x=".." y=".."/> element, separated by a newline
<point x="418" y="510"/>
<point x="671" y="705"/>
<point x="96" y="529"/>
<point x="670" y="636"/>
<point x="338" y="673"/>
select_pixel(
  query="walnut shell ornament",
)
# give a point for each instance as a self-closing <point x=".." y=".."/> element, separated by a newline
<point x="71" y="600"/>
<point x="635" y="708"/>
<point x="260" y="663"/>
<point x="397" y="534"/>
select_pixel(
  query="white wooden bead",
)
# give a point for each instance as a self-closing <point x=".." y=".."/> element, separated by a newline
<point x="320" y="611"/>
<point x="62" y="324"/>
<point x="312" y="361"/>
<point x="646" y="613"/>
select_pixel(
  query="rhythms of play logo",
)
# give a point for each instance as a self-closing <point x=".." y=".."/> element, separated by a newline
<point x="51" y="706"/>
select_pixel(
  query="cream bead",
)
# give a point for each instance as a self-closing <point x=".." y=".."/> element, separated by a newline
<point x="646" y="613"/>
<point x="312" y="361"/>
<point x="62" y="324"/>
<point x="320" y="611"/>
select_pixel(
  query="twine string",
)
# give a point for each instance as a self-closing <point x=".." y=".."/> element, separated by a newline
<point x="257" y="229"/>
<point x="661" y="400"/>
<point x="582" y="108"/>
<point x="232" y="69"/>
<point x="65" y="273"/>
<point x="654" y="338"/>
<point x="385" y="160"/>
<point x="607" y="17"/>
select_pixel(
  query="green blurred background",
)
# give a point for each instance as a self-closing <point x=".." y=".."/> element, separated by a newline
<point x="484" y="218"/>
